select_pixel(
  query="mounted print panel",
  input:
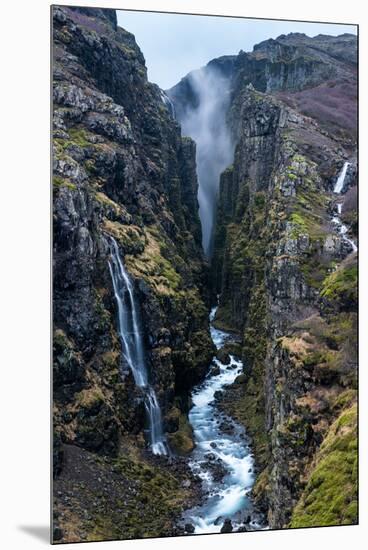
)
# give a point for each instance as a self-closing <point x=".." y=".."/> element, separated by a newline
<point x="205" y="255"/>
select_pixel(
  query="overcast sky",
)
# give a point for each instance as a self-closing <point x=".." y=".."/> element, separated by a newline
<point x="174" y="45"/>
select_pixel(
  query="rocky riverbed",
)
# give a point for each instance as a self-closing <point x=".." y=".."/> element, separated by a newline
<point x="223" y="457"/>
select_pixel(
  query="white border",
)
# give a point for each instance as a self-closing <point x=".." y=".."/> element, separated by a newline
<point x="24" y="230"/>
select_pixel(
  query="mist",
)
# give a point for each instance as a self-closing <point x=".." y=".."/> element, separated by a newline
<point x="206" y="124"/>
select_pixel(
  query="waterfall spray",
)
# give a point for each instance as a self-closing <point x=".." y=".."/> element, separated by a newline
<point x="131" y="338"/>
<point x="206" y="124"/>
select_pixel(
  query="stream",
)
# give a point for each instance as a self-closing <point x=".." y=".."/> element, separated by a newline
<point x="222" y="457"/>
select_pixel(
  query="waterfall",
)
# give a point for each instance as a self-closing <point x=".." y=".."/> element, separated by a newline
<point x="168" y="103"/>
<point x="340" y="180"/>
<point x="130" y="332"/>
<point x="206" y="124"/>
<point x="341" y="228"/>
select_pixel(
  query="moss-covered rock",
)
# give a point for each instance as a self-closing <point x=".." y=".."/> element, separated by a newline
<point x="121" y="169"/>
<point x="331" y="494"/>
<point x="340" y="288"/>
<point x="117" y="498"/>
<point x="181" y="440"/>
<point x="275" y="267"/>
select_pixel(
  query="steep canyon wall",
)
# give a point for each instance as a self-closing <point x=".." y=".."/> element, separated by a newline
<point x="120" y="169"/>
<point x="273" y="129"/>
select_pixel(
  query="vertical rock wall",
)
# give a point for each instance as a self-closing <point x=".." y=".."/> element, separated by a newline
<point x="121" y="169"/>
<point x="275" y="255"/>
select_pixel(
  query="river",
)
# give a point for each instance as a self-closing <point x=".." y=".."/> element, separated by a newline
<point x="222" y="457"/>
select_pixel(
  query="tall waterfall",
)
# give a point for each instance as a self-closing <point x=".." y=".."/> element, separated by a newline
<point x="130" y="332"/>
<point x="206" y="124"/>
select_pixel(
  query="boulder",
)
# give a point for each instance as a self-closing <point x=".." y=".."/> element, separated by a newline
<point x="223" y="356"/>
<point x="227" y="526"/>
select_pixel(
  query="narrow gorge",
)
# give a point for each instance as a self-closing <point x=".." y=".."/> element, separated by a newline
<point x="205" y="264"/>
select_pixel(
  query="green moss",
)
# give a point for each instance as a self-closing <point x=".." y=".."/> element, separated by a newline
<point x="293" y="433"/>
<point x="224" y="318"/>
<point x="152" y="266"/>
<point x="308" y="221"/>
<point x="344" y="399"/>
<point x="321" y="356"/>
<point x="59" y="182"/>
<point x="247" y="246"/>
<point x="242" y="240"/>
<point x="307" y="212"/>
<point x="330" y="497"/>
<point x="181" y="441"/>
<point x="341" y="287"/>
<point x="105" y="201"/>
<point x="130" y="237"/>
<point x="299" y="224"/>
<point x="79" y="136"/>
<point x="157" y="496"/>
<point x="89" y="398"/>
<point x="166" y="270"/>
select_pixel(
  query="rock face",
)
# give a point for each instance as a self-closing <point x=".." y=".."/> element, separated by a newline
<point x="288" y="282"/>
<point x="120" y="169"/>
<point x="316" y="75"/>
<point x="287" y="279"/>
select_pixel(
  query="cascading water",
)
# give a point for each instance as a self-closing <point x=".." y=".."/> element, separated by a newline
<point x="206" y="124"/>
<point x="341" y="228"/>
<point x="341" y="178"/>
<point x="221" y="444"/>
<point x="130" y="333"/>
<point x="168" y="103"/>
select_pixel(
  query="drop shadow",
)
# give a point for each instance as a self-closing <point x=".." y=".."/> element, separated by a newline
<point x="40" y="532"/>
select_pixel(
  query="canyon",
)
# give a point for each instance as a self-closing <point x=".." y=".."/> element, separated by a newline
<point x="205" y="264"/>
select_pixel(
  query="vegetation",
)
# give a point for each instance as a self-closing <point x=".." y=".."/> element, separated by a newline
<point x="157" y="497"/>
<point x="330" y="497"/>
<point x="63" y="182"/>
<point x="123" y="170"/>
<point x="340" y="288"/>
<point x="181" y="441"/>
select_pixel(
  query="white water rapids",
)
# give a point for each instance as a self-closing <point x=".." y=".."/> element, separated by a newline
<point x="226" y="498"/>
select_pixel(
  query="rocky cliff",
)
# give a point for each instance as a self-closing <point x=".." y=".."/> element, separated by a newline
<point x="288" y="281"/>
<point x="120" y="169"/>
<point x="286" y="277"/>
